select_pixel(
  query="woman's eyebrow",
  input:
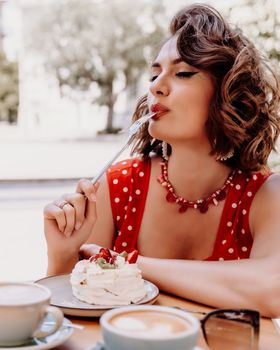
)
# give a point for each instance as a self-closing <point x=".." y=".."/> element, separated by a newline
<point x="175" y="61"/>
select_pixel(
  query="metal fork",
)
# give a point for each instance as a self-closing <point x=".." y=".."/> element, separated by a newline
<point x="133" y="129"/>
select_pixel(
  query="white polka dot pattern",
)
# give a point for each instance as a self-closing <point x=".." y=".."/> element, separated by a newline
<point x="234" y="240"/>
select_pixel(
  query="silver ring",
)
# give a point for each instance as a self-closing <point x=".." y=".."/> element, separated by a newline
<point x="61" y="203"/>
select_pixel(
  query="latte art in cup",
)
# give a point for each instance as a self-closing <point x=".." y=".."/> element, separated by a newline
<point x="145" y="327"/>
<point x="149" y="323"/>
<point x="21" y="294"/>
<point x="23" y="308"/>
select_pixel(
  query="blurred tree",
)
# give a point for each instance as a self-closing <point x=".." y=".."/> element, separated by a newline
<point x="261" y="22"/>
<point x="8" y="90"/>
<point x="98" y="48"/>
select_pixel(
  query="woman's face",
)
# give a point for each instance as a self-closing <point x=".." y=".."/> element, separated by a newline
<point x="181" y="94"/>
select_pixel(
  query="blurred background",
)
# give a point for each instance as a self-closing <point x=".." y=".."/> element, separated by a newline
<point x="71" y="72"/>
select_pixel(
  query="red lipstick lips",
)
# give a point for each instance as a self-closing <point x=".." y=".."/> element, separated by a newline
<point x="159" y="109"/>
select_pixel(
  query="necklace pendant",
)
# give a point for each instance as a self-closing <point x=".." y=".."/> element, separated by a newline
<point x="170" y="197"/>
<point x="221" y="195"/>
<point x="183" y="208"/>
<point x="203" y="208"/>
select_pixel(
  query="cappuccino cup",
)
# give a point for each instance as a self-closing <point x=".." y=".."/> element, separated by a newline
<point x="23" y="308"/>
<point x="149" y="327"/>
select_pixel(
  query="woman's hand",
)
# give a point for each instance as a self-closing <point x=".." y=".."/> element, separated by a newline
<point x="87" y="250"/>
<point x="68" y="224"/>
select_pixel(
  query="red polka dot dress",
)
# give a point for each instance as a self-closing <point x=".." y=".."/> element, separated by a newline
<point x="128" y="184"/>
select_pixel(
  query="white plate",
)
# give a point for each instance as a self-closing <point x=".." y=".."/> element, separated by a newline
<point x="63" y="297"/>
<point x="101" y="346"/>
<point x="49" y="342"/>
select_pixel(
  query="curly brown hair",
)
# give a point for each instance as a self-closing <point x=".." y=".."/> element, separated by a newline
<point x="244" y="112"/>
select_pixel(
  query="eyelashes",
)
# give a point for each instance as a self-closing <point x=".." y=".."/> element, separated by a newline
<point x="181" y="75"/>
<point x="185" y="74"/>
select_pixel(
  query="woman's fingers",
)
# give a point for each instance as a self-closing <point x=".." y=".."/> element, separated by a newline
<point x="72" y="211"/>
<point x="78" y="202"/>
<point x="86" y="187"/>
<point x="87" y="250"/>
<point x="69" y="212"/>
<point x="53" y="212"/>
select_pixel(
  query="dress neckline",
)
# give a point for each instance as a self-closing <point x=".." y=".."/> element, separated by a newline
<point x="219" y="232"/>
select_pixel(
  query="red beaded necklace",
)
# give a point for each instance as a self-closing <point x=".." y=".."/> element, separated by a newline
<point x="201" y="204"/>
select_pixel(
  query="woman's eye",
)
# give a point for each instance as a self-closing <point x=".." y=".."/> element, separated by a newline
<point x="185" y="74"/>
<point x="153" y="77"/>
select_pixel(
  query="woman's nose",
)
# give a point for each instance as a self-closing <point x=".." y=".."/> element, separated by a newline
<point x="159" y="87"/>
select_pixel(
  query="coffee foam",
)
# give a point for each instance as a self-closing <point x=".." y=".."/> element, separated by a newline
<point x="150" y="323"/>
<point x="13" y="294"/>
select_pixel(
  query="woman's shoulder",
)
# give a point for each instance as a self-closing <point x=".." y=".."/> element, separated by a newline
<point x="268" y="195"/>
<point x="127" y="166"/>
<point x="271" y="185"/>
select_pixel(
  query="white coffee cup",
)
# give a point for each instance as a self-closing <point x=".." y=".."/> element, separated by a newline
<point x="149" y="327"/>
<point x="23" y="308"/>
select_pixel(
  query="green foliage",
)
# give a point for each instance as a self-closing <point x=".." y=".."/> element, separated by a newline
<point x="8" y="90"/>
<point x="97" y="49"/>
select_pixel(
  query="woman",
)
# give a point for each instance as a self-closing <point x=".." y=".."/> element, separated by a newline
<point x="199" y="202"/>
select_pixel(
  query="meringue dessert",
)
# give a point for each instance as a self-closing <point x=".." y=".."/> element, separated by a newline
<point x="107" y="279"/>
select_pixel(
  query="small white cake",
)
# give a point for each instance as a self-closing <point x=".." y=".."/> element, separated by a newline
<point x="108" y="280"/>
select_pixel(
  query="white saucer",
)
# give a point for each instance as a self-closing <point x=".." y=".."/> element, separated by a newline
<point x="49" y="342"/>
<point x="100" y="346"/>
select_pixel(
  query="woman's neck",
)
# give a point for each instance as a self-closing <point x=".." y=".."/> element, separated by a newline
<point x="195" y="174"/>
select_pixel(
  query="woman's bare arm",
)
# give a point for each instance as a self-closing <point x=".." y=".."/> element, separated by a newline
<point x="249" y="283"/>
<point x="103" y="231"/>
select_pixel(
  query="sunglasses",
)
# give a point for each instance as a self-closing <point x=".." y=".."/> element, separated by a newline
<point x="230" y="329"/>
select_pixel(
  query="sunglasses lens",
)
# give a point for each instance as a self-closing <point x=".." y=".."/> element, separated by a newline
<point x="226" y="332"/>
